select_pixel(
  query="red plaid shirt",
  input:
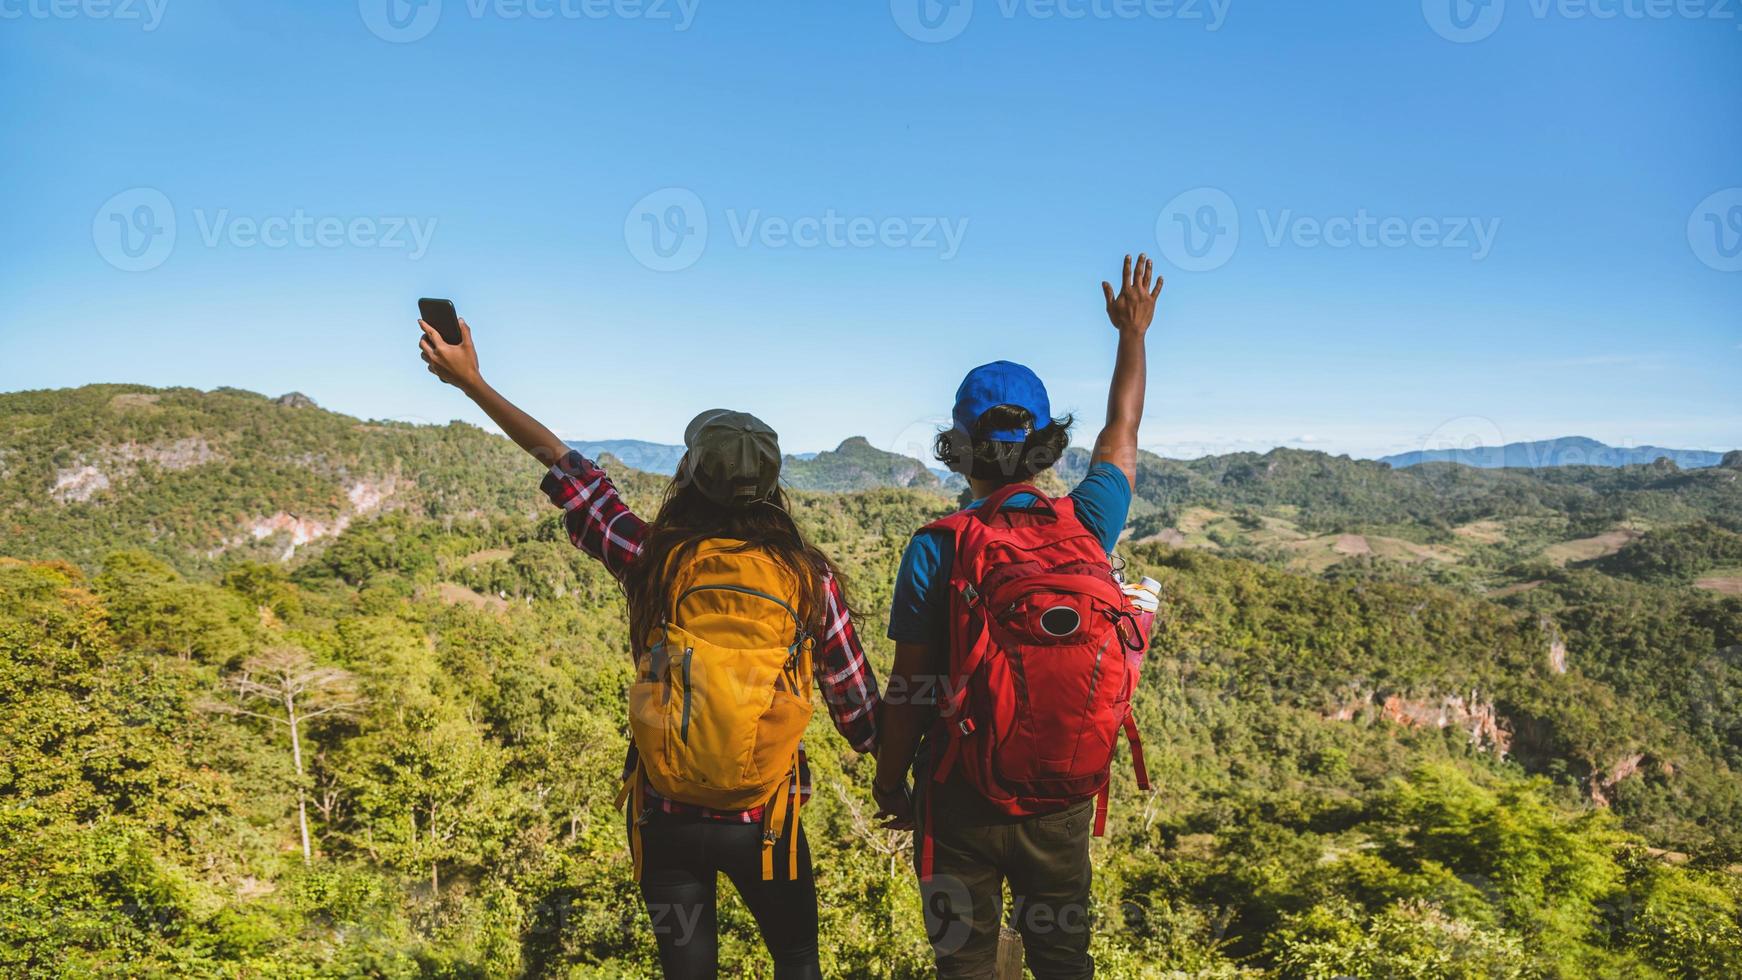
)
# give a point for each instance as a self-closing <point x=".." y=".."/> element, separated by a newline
<point x="602" y="525"/>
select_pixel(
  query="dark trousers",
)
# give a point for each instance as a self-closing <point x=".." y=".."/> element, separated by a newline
<point x="1046" y="861"/>
<point x="681" y="861"/>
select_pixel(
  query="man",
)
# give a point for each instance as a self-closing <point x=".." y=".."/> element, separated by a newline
<point x="980" y="824"/>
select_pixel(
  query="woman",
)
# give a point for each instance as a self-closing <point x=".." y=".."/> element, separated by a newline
<point x="731" y="613"/>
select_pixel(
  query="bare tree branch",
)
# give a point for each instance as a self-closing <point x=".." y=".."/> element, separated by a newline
<point x="301" y="691"/>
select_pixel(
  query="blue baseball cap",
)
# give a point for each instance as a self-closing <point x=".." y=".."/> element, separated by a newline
<point x="1001" y="383"/>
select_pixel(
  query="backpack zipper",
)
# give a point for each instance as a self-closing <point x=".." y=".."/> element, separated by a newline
<point x="684" y="726"/>
<point x="744" y="590"/>
<point x="1095" y="674"/>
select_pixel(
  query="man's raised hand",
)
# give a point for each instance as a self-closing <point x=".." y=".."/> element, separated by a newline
<point x="1134" y="306"/>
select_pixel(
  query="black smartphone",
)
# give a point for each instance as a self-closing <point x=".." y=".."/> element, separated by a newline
<point x="439" y="313"/>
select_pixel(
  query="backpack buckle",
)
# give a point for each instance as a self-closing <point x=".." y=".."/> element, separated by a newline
<point x="970" y="593"/>
<point x="966" y="726"/>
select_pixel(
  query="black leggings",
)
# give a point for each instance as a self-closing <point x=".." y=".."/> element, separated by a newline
<point x="681" y="861"/>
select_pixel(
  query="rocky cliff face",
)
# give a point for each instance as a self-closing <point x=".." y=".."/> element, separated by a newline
<point x="1476" y="718"/>
<point x="95" y="473"/>
<point x="1470" y="715"/>
<point x="365" y="496"/>
<point x="1599" y="785"/>
<point x="1486" y="728"/>
<point x="1557" y="647"/>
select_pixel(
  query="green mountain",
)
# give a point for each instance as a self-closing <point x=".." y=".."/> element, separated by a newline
<point x="858" y="465"/>
<point x="1510" y="752"/>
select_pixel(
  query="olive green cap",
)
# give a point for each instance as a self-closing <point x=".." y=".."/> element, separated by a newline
<point x="733" y="457"/>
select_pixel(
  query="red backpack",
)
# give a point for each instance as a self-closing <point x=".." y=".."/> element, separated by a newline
<point x="1041" y="671"/>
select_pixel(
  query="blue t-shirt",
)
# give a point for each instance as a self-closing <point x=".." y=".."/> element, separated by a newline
<point x="921" y="609"/>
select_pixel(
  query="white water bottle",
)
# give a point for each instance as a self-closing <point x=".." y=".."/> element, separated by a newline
<point x="1145" y="595"/>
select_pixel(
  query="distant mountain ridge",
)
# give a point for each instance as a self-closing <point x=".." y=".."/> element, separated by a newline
<point x="204" y="477"/>
<point x="1564" y="451"/>
<point x="853" y="465"/>
<point x="650" y="457"/>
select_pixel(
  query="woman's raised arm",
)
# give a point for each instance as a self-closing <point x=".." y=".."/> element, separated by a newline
<point x="597" y="519"/>
<point x="457" y="364"/>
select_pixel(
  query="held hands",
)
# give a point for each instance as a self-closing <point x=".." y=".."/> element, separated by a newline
<point x="894" y="806"/>
<point x="1134" y="307"/>
<point x="455" y="364"/>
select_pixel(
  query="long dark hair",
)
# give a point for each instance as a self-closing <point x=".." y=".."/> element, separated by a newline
<point x="974" y="455"/>
<point x="686" y="518"/>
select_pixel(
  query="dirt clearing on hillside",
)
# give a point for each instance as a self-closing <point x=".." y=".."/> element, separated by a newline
<point x="454" y="594"/>
<point x="1482" y="532"/>
<point x="1352" y="544"/>
<point x="1728" y="582"/>
<point x="1586" y="549"/>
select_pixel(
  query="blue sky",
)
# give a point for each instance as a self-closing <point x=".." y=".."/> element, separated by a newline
<point x="1504" y="222"/>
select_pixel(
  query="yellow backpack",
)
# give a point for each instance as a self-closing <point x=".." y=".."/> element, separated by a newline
<point x="722" y="696"/>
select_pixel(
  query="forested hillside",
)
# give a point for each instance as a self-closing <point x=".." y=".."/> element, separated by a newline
<point x="1489" y="759"/>
<point x="195" y="476"/>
